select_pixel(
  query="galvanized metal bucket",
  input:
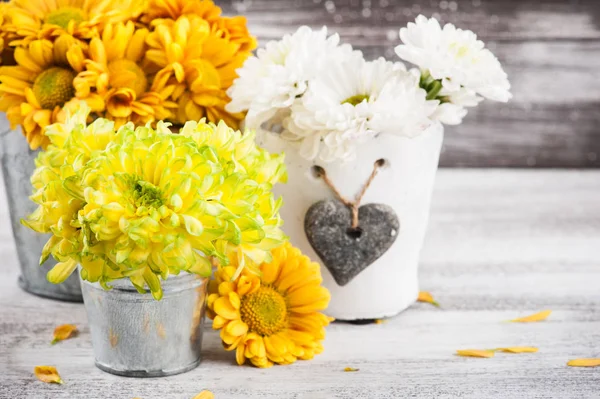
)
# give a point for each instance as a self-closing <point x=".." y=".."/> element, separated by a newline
<point x="134" y="335"/>
<point x="17" y="162"/>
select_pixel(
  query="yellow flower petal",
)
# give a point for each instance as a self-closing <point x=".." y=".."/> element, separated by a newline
<point x="63" y="332"/>
<point x="272" y="350"/>
<point x="236" y="328"/>
<point x="350" y="369"/>
<point x="61" y="271"/>
<point x="240" y="358"/>
<point x="271" y="272"/>
<point x="219" y="322"/>
<point x="225" y="288"/>
<point x="227" y="338"/>
<point x="210" y="300"/>
<point x="256" y="348"/>
<point x="235" y="300"/>
<point x="426" y="297"/>
<point x="584" y="363"/>
<point x="541" y="316"/>
<point x="205" y="395"/>
<point x="308" y="295"/>
<point x="518" y="349"/>
<point x="47" y="374"/>
<point x="475" y="353"/>
<point x="223" y="308"/>
<point x="246" y="285"/>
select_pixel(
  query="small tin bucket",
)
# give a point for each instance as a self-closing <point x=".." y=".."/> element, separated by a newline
<point x="17" y="162"/>
<point x="134" y="335"/>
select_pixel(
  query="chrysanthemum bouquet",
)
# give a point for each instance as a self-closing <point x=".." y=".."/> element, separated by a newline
<point x="311" y="90"/>
<point x="144" y="203"/>
<point x="139" y="61"/>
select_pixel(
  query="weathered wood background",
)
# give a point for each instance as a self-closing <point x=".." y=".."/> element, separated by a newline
<point x="550" y="50"/>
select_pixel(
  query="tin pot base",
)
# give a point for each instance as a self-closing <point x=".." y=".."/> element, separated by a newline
<point x="48" y="294"/>
<point x="147" y="373"/>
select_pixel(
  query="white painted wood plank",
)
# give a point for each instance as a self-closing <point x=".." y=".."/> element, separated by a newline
<point x="501" y="244"/>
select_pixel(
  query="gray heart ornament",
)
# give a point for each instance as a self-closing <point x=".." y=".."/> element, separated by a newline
<point x="345" y="251"/>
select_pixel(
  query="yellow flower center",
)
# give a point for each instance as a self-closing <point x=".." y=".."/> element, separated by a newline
<point x="127" y="74"/>
<point x="64" y="15"/>
<point x="264" y="311"/>
<point x="356" y="99"/>
<point x="54" y="87"/>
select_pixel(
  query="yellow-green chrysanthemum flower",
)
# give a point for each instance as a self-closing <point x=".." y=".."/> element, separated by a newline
<point x="258" y="228"/>
<point x="144" y="203"/>
<point x="73" y="144"/>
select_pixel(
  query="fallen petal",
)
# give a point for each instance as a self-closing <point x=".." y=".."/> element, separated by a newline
<point x="205" y="395"/>
<point x="47" y="374"/>
<point x="63" y="332"/>
<point x="426" y="297"/>
<point x="475" y="353"/>
<point x="541" y="316"/>
<point x="518" y="349"/>
<point x="350" y="369"/>
<point x="584" y="363"/>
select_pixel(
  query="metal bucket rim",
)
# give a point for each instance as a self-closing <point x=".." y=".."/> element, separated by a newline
<point x="174" y="283"/>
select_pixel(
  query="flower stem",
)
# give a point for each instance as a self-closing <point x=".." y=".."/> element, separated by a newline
<point x="433" y="89"/>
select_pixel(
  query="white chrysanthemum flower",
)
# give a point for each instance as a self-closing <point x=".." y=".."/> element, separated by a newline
<point x="271" y="81"/>
<point x="351" y="102"/>
<point x="454" y="57"/>
<point x="452" y="108"/>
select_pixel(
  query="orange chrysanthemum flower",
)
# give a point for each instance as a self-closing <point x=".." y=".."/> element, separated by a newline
<point x="199" y="63"/>
<point x="32" y="19"/>
<point x="173" y="9"/>
<point x="143" y="61"/>
<point x="33" y="92"/>
<point x="115" y="83"/>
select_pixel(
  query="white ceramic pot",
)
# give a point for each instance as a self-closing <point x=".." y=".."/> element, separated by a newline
<point x="389" y="284"/>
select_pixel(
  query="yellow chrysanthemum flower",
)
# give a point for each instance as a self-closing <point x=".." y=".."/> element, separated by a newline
<point x="115" y="82"/>
<point x="199" y="62"/>
<point x="274" y="317"/>
<point x="33" y="92"/>
<point x="143" y="203"/>
<point x="34" y="19"/>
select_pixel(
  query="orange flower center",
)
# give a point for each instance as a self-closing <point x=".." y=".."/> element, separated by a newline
<point x="64" y="15"/>
<point x="54" y="87"/>
<point x="127" y="74"/>
<point x="264" y="311"/>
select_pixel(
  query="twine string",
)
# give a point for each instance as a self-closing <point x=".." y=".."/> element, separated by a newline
<point x="353" y="205"/>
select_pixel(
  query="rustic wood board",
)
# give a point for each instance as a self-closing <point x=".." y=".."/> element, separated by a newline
<point x="501" y="244"/>
<point x="550" y="50"/>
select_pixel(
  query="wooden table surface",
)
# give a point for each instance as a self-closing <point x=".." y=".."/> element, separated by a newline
<point x="501" y="244"/>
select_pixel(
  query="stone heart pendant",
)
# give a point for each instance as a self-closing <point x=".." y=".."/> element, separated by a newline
<point x="346" y="251"/>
